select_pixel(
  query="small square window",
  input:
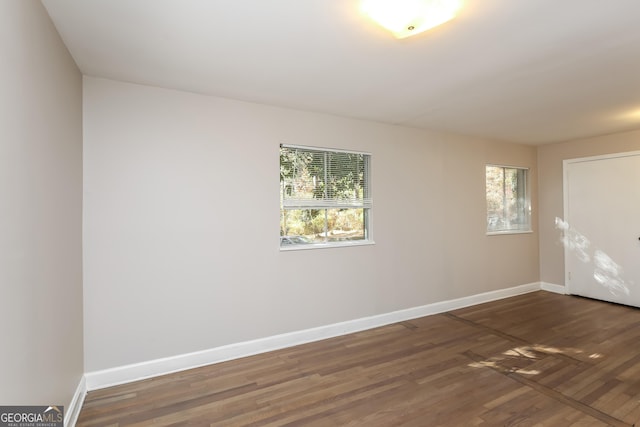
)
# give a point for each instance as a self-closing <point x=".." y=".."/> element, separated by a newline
<point x="508" y="203"/>
<point x="325" y="197"/>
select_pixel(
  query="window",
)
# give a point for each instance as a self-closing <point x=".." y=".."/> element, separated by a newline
<point x="325" y="197"/>
<point x="508" y="204"/>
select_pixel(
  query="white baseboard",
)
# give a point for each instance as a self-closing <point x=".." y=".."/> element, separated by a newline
<point x="550" y="287"/>
<point x="73" y="410"/>
<point x="128" y="373"/>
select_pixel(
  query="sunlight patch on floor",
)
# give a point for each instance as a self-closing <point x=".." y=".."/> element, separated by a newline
<point x="511" y="361"/>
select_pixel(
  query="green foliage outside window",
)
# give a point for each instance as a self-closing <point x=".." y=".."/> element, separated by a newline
<point x="324" y="194"/>
<point x="507" y="199"/>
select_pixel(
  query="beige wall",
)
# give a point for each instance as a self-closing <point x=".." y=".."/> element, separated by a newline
<point x="41" y="361"/>
<point x="177" y="262"/>
<point x="181" y="221"/>
<point x="550" y="183"/>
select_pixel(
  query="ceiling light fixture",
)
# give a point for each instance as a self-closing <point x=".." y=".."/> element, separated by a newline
<point x="630" y="116"/>
<point x="405" y="18"/>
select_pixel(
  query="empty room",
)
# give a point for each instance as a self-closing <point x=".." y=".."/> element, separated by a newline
<point x="453" y="239"/>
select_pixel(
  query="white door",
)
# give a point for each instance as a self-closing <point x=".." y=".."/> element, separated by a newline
<point x="602" y="227"/>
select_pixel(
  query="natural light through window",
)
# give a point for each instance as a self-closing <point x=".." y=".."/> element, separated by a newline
<point x="508" y="203"/>
<point x="527" y="359"/>
<point x="325" y="197"/>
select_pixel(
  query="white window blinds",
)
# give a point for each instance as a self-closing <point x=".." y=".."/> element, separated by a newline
<point x="313" y="178"/>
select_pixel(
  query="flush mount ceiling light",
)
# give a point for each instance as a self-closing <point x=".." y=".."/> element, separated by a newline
<point x="630" y="116"/>
<point x="405" y="18"/>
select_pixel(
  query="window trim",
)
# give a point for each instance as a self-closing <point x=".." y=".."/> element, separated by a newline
<point x="335" y="150"/>
<point x="527" y="197"/>
<point x="500" y="233"/>
<point x="327" y="245"/>
<point x="367" y="204"/>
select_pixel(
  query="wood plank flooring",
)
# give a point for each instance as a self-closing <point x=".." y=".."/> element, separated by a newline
<point x="538" y="359"/>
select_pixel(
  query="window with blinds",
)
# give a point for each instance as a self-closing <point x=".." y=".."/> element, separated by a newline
<point x="325" y="197"/>
<point x="508" y="203"/>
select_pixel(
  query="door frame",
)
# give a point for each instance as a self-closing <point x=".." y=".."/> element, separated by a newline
<point x="565" y="197"/>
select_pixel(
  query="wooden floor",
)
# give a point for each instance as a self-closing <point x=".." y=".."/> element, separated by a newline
<point x="539" y="359"/>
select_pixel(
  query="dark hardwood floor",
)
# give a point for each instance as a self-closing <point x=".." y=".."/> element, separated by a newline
<point x="538" y="359"/>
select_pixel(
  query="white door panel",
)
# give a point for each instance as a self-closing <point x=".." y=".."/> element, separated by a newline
<point x="602" y="257"/>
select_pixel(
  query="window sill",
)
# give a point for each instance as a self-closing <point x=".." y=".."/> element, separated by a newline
<point x="499" y="233"/>
<point x="312" y="246"/>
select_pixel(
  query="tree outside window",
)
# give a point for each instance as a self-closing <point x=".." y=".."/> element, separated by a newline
<point x="324" y="196"/>
<point x="508" y="204"/>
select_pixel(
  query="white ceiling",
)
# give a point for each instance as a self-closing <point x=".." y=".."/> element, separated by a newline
<point x="527" y="71"/>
